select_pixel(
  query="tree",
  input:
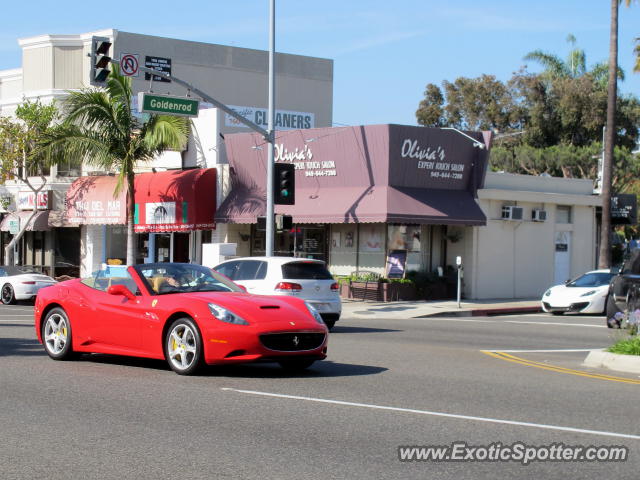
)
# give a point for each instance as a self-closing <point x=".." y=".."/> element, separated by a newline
<point x="100" y="129"/>
<point x="19" y="155"/>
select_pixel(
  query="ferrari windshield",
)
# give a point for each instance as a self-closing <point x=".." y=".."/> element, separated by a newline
<point x="164" y="278"/>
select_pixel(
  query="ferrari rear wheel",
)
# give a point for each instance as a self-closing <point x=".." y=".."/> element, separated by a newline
<point x="183" y="347"/>
<point x="56" y="335"/>
<point x="8" y="296"/>
<point x="296" y="364"/>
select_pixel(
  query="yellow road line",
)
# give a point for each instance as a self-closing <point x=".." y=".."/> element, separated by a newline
<point x="555" y="368"/>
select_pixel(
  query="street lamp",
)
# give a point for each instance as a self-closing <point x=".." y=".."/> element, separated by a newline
<point x="476" y="143"/>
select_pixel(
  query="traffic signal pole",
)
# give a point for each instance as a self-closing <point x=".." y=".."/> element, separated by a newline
<point x="268" y="135"/>
<point x="270" y="233"/>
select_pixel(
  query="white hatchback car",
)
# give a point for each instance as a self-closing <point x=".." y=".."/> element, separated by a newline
<point x="304" y="278"/>
<point x="585" y="294"/>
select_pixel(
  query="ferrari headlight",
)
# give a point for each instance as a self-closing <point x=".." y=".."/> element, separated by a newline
<point x="314" y="313"/>
<point x="589" y="293"/>
<point x="547" y="293"/>
<point x="225" y="315"/>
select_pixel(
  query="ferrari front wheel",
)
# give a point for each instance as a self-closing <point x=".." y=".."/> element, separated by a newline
<point x="8" y="295"/>
<point x="183" y="346"/>
<point x="56" y="334"/>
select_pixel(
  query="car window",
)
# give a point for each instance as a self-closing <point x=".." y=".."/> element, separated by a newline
<point x="592" y="280"/>
<point x="305" y="271"/>
<point x="165" y="278"/>
<point x="248" y="270"/>
<point x="112" y="275"/>
<point x="261" y="274"/>
<point x="229" y="269"/>
<point x="3" y="272"/>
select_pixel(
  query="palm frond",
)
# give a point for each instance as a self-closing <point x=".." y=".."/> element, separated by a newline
<point x="551" y="63"/>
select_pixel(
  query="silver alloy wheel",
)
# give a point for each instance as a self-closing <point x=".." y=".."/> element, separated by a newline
<point x="56" y="333"/>
<point x="181" y="346"/>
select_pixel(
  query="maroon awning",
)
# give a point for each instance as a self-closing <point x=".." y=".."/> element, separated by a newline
<point x="37" y="224"/>
<point x="373" y="173"/>
<point x="361" y="205"/>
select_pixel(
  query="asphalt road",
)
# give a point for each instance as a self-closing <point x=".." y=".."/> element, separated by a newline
<point x="387" y="383"/>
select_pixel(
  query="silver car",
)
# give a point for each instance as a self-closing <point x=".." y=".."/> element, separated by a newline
<point x="300" y="277"/>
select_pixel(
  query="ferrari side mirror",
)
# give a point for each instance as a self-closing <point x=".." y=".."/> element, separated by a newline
<point x="121" y="290"/>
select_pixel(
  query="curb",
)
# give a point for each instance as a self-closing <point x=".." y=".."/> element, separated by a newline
<point x="483" y="312"/>
<point x="613" y="361"/>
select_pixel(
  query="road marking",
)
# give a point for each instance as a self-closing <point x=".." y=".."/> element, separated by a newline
<point x="502" y="355"/>
<point x="437" y="414"/>
<point x="562" y="350"/>
<point x="449" y="319"/>
<point x="557" y="323"/>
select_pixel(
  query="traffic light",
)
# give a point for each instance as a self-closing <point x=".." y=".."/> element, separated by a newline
<point x="100" y="60"/>
<point x="284" y="184"/>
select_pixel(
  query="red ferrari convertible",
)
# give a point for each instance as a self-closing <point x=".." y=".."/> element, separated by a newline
<point x="187" y="314"/>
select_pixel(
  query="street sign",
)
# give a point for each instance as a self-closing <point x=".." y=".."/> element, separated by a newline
<point x="160" y="64"/>
<point x="181" y="106"/>
<point x="129" y="65"/>
<point x="14" y="226"/>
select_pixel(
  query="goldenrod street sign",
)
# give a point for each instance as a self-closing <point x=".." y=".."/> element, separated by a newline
<point x="181" y="106"/>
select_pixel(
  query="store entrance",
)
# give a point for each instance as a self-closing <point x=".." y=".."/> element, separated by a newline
<point x="306" y="241"/>
<point x="168" y="249"/>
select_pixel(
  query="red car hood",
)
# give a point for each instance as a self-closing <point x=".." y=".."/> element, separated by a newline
<point x="260" y="308"/>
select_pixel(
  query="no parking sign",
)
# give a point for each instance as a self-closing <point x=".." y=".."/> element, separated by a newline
<point x="129" y="64"/>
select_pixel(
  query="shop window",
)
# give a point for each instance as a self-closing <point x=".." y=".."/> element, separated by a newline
<point x="404" y="237"/>
<point x="563" y="214"/>
<point x="371" y="246"/>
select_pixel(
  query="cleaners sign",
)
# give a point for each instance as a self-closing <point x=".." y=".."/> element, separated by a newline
<point x="181" y="106"/>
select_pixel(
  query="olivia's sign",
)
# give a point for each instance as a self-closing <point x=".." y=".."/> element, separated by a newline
<point x="302" y="158"/>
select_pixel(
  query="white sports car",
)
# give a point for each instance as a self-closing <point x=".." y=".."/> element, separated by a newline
<point x="21" y="283"/>
<point x="585" y="294"/>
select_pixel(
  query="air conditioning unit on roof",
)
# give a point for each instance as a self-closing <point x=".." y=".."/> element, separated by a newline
<point x="511" y="212"/>
<point x="538" y="215"/>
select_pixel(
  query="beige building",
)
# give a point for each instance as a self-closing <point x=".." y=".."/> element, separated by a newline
<point x="540" y="232"/>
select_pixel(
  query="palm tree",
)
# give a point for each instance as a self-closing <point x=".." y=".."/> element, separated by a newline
<point x="604" y="257"/>
<point x="574" y="66"/>
<point x="100" y="129"/>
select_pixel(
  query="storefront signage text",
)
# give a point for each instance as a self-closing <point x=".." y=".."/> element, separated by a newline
<point x="27" y="200"/>
<point x="303" y="160"/>
<point x="95" y="211"/>
<point x="432" y="159"/>
<point x="284" y="119"/>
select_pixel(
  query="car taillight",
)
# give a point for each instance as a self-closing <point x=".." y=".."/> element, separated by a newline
<point x="29" y="283"/>
<point x="334" y="286"/>
<point x="289" y="286"/>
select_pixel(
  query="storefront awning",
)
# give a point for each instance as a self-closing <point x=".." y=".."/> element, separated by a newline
<point x="91" y="201"/>
<point x="361" y="205"/>
<point x="175" y="200"/>
<point x="39" y="223"/>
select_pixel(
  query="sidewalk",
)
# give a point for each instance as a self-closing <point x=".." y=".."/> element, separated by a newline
<point x="441" y="308"/>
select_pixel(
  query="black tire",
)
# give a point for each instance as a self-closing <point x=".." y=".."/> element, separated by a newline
<point x="184" y="358"/>
<point x="8" y="296"/>
<point x="296" y="364"/>
<point x="56" y="335"/>
<point x="330" y="324"/>
<point x="610" y="311"/>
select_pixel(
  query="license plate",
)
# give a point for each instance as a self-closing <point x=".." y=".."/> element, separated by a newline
<point x="321" y="307"/>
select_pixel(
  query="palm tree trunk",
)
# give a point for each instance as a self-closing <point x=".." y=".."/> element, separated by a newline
<point x="131" y="207"/>
<point x="604" y="258"/>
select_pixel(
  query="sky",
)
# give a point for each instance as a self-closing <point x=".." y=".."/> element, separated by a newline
<point x="384" y="52"/>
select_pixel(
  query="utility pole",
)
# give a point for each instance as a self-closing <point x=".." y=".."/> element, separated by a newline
<point x="271" y="131"/>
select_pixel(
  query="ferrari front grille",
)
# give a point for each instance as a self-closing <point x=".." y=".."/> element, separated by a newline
<point x="292" y="342"/>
